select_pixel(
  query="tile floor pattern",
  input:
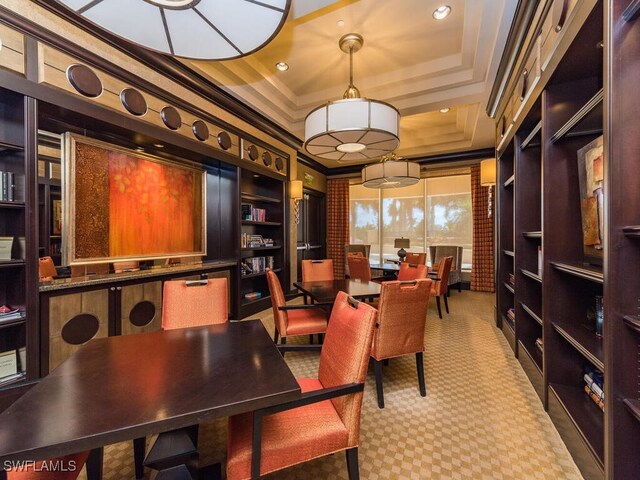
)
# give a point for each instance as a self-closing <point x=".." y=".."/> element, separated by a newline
<point x="481" y="418"/>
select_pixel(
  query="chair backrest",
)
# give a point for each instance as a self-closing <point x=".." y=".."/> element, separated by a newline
<point x="119" y="267"/>
<point x="444" y="268"/>
<point x="46" y="268"/>
<point x="412" y="271"/>
<point x="438" y="252"/>
<point x="416" y="258"/>
<point x="359" y="268"/>
<point x="402" y="313"/>
<point x="194" y="303"/>
<point x="68" y="468"/>
<point x="358" y="248"/>
<point x="317" y="270"/>
<point x="355" y="254"/>
<point x="277" y="300"/>
<point x="345" y="356"/>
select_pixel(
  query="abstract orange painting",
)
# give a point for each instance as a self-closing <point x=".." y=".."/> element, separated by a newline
<point x="125" y="205"/>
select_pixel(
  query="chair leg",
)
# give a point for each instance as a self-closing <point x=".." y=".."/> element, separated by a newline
<point x="94" y="464"/>
<point x="378" y="369"/>
<point x="438" y="305"/>
<point x="276" y="335"/>
<point x="460" y="287"/>
<point x="139" y="445"/>
<point x="420" y="367"/>
<point x="446" y="304"/>
<point x="311" y="339"/>
<point x="352" y="464"/>
<point x="321" y="338"/>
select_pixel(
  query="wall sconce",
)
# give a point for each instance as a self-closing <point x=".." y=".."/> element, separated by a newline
<point x="295" y="191"/>
<point x="488" y="179"/>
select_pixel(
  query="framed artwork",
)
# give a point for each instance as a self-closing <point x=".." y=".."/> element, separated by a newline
<point x="121" y="204"/>
<point x="591" y="181"/>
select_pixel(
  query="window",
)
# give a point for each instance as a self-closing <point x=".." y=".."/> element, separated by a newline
<point x="435" y="211"/>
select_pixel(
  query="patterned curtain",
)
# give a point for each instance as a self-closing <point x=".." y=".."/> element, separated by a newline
<point x="482" y="270"/>
<point x="337" y="222"/>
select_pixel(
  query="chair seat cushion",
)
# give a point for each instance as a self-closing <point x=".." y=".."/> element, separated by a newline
<point x="306" y="321"/>
<point x="288" y="438"/>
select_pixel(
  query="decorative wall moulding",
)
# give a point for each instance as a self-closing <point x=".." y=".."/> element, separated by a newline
<point x="12" y="51"/>
<point x="171" y="117"/>
<point x="266" y="159"/>
<point x="84" y="80"/>
<point x="133" y="101"/>
<point x="279" y="164"/>
<point x="200" y="130"/>
<point x="224" y="140"/>
<point x="252" y="153"/>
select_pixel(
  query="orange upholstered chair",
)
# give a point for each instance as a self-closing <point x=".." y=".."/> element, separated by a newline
<point x="194" y="303"/>
<point x="416" y="258"/>
<point x="412" y="271"/>
<point x="294" y="319"/>
<point x="440" y="287"/>
<point x="317" y="270"/>
<point x="326" y="419"/>
<point x="402" y="313"/>
<point x="68" y="468"/>
<point x="359" y="268"/>
<point x="46" y="269"/>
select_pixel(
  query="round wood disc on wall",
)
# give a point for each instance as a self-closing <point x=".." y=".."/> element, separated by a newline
<point x="142" y="313"/>
<point x="171" y="117"/>
<point x="133" y="101"/>
<point x="266" y="159"/>
<point x="84" y="80"/>
<point x="224" y="140"/>
<point x="279" y="164"/>
<point x="200" y="130"/>
<point x="80" y="329"/>
<point x="252" y="151"/>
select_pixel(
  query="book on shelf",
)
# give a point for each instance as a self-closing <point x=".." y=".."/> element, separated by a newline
<point x="10" y="186"/>
<point x="511" y="314"/>
<point x="594" y="386"/>
<point x="512" y="279"/>
<point x="253" y="295"/>
<point x="257" y="264"/>
<point x="8" y="364"/>
<point x="255" y="241"/>
<point x="252" y="214"/>
<point x="6" y="248"/>
<point x="247" y="208"/>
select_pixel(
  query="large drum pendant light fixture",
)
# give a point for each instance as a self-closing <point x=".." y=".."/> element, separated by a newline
<point x="353" y="128"/>
<point x="197" y="29"/>
<point x="391" y="172"/>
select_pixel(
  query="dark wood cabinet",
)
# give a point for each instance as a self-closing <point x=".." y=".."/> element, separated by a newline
<point x="311" y="228"/>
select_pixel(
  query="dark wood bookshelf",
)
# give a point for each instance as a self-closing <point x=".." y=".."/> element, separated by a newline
<point x="531" y="313"/>
<point x="592" y="273"/>
<point x="12" y="204"/>
<point x="260" y="274"/>
<point x="632" y="231"/>
<point x="508" y="287"/>
<point x="532" y="275"/>
<point x="259" y="198"/>
<point x="528" y="142"/>
<point x="251" y="249"/>
<point x="11" y="263"/>
<point x="586" y="121"/>
<point x="584" y="341"/>
<point x="633" y="406"/>
<point x="10" y="146"/>
<point x="633" y="322"/>
<point x="12" y="322"/>
<point x="510" y="323"/>
<point x="13" y="379"/>
<point x="509" y="253"/>
<point x="536" y="234"/>
<point x="509" y="181"/>
<point x="268" y="224"/>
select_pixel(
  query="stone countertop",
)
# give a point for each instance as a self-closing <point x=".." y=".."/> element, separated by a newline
<point x="91" y="280"/>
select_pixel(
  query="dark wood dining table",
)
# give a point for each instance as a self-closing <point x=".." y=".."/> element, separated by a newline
<point x="125" y="387"/>
<point x="327" y="291"/>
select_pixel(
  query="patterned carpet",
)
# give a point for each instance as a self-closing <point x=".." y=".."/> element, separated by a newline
<point x="481" y="418"/>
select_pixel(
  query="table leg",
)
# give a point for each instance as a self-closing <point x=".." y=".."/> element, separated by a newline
<point x="94" y="464"/>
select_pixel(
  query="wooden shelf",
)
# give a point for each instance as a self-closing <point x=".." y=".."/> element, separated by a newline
<point x="526" y="143"/>
<point x="11" y="263"/>
<point x="633" y="406"/>
<point x="586" y="416"/>
<point x="268" y="224"/>
<point x="509" y="253"/>
<point x="509" y="181"/>
<point x="508" y="287"/>
<point x="12" y="322"/>
<point x="12" y="205"/>
<point x="259" y="198"/>
<point x="531" y="313"/>
<point x="11" y="379"/>
<point x="250" y="249"/>
<point x="584" y="341"/>
<point x="534" y="353"/>
<point x="510" y="323"/>
<point x="10" y="146"/>
<point x="537" y="234"/>
<point x="532" y="275"/>
<point x="588" y="272"/>
<point x="259" y="274"/>
<point x="586" y="121"/>
<point x="633" y="322"/>
<point x="632" y="231"/>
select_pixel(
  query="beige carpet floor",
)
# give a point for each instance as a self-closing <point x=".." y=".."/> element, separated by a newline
<point x="481" y="419"/>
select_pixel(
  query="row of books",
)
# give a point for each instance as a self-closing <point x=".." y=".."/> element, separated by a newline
<point x="594" y="386"/>
<point x="253" y="241"/>
<point x="256" y="265"/>
<point x="8" y="186"/>
<point x="253" y="214"/>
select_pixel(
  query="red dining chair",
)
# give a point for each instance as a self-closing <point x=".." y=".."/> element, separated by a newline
<point x="66" y="468"/>
<point x="293" y="320"/>
<point x="359" y="268"/>
<point x="440" y="287"/>
<point x="46" y="269"/>
<point x="412" y="271"/>
<point x="326" y="419"/>
<point x="317" y="270"/>
<point x="416" y="258"/>
<point x="402" y="314"/>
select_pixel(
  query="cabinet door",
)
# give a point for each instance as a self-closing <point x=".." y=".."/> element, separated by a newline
<point x="140" y="308"/>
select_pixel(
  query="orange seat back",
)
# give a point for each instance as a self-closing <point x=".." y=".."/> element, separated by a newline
<point x="412" y="271"/>
<point x="416" y="258"/>
<point x="441" y="286"/>
<point x="359" y="268"/>
<point x="317" y="270"/>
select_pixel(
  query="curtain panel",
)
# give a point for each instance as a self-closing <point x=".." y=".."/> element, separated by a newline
<point x="337" y="222"/>
<point x="482" y="269"/>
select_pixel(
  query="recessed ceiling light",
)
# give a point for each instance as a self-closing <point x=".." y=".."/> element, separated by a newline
<point x="444" y="110"/>
<point x="282" y="66"/>
<point x="340" y="23"/>
<point x="441" y="12"/>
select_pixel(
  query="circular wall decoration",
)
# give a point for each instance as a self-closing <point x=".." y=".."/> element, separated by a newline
<point x="266" y="159"/>
<point x="252" y="151"/>
<point x="224" y="140"/>
<point x="279" y="164"/>
<point x="80" y="329"/>
<point x="133" y="101"/>
<point x="142" y="313"/>
<point x="200" y="130"/>
<point x="84" y="80"/>
<point x="171" y="117"/>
